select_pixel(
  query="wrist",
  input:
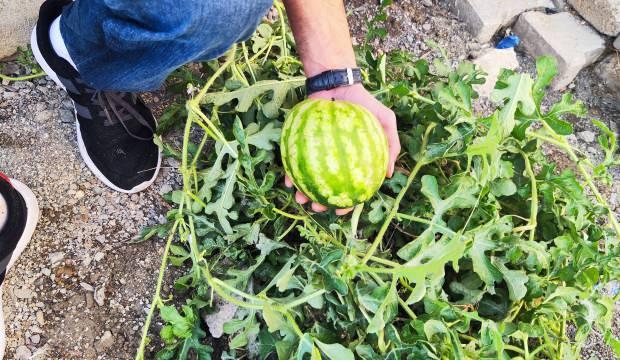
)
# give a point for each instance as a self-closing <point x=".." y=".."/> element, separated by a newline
<point x="332" y="79"/>
<point x="315" y="67"/>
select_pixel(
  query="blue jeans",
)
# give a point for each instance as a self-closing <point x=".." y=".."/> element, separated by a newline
<point x="133" y="45"/>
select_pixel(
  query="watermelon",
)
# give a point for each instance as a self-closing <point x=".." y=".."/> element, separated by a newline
<point x="335" y="152"/>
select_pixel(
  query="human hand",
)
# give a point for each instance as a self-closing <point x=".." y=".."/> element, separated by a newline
<point x="360" y="96"/>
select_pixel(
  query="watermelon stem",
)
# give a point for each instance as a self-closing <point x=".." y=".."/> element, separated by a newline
<point x="421" y="162"/>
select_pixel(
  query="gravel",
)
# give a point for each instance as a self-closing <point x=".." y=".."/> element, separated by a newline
<point x="80" y="291"/>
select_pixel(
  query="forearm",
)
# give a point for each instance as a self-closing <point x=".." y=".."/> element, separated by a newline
<point x="321" y="33"/>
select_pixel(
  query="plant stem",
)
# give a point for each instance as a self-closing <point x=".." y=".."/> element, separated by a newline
<point x="290" y="216"/>
<point x="22" y="78"/>
<point x="534" y="199"/>
<point x="392" y="214"/>
<point x="156" y="298"/>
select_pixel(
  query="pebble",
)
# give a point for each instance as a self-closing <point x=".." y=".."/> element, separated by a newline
<point x="56" y="257"/>
<point x="23" y="353"/>
<point x="35" y="339"/>
<point x="40" y="318"/>
<point x="106" y="342"/>
<point x="587" y="136"/>
<point x="23" y="293"/>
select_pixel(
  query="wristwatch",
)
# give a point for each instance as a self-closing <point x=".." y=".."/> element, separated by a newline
<point x="332" y="79"/>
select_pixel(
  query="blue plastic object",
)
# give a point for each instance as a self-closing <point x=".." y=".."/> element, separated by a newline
<point x="508" y="42"/>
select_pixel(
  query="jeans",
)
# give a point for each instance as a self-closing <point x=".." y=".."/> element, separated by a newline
<point x="133" y="45"/>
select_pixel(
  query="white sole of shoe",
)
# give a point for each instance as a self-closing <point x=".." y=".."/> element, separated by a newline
<point x="91" y="165"/>
<point x="31" y="224"/>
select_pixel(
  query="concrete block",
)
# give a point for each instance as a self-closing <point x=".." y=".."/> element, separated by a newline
<point x="563" y="36"/>
<point x="608" y="71"/>
<point x="604" y="15"/>
<point x="492" y="61"/>
<point x="17" y="18"/>
<point x="485" y="17"/>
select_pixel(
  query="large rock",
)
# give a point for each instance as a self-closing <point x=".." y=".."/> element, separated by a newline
<point x="608" y="71"/>
<point x="17" y="17"/>
<point x="563" y="36"/>
<point x="484" y="17"/>
<point x="492" y="61"/>
<point x="604" y="15"/>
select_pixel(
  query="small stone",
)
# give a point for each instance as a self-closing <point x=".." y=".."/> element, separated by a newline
<point x="587" y="136"/>
<point x="99" y="256"/>
<point x="106" y="342"/>
<point x="22" y="353"/>
<point x="100" y="238"/>
<point x="427" y="3"/>
<point x="56" y="257"/>
<point x="79" y="194"/>
<point x="617" y="43"/>
<point x="426" y="27"/>
<point x="562" y="36"/>
<point x="40" y="318"/>
<point x="492" y="61"/>
<point x="23" y="293"/>
<point x="608" y="71"/>
<point x="166" y="188"/>
<point x="484" y="18"/>
<point x="99" y="295"/>
<point x="43" y="116"/>
<point x="66" y="116"/>
<point x="35" y="339"/>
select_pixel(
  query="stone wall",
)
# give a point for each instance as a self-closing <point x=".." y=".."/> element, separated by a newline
<point x="549" y="28"/>
<point x="17" y="17"/>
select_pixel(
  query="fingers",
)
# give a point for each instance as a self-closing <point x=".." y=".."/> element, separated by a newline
<point x="300" y="198"/>
<point x="341" y="212"/>
<point x="287" y="181"/>
<point x="316" y="207"/>
<point x="388" y="121"/>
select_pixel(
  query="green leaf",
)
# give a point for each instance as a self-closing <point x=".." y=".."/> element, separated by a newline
<point x="503" y="187"/>
<point x="266" y="344"/>
<point x="386" y="311"/>
<point x="515" y="279"/>
<point x="247" y="95"/>
<point x="517" y="96"/>
<point x="335" y="351"/>
<point x="546" y="67"/>
<point x="462" y="198"/>
<point x="486" y="239"/>
<point x="306" y="346"/>
<point x="181" y="326"/>
<point x="275" y="321"/>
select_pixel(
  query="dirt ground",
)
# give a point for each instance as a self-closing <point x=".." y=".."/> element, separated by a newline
<point x="81" y="291"/>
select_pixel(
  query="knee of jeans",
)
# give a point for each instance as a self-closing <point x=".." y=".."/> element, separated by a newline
<point x="233" y="20"/>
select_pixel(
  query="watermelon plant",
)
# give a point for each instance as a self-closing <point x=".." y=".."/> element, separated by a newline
<point x="479" y="247"/>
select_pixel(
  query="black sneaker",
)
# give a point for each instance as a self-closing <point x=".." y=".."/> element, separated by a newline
<point x="114" y="130"/>
<point x="19" y="214"/>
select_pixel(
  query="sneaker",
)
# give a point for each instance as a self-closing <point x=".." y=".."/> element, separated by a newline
<point x="19" y="214"/>
<point x="115" y="130"/>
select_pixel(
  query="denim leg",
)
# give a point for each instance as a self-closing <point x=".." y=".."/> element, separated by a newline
<point x="132" y="45"/>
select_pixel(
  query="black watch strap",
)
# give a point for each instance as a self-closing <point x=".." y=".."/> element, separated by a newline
<point x="332" y="79"/>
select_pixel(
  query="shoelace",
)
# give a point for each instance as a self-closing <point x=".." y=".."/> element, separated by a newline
<point x="122" y="109"/>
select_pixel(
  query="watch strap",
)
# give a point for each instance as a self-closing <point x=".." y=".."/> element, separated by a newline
<point x="332" y="79"/>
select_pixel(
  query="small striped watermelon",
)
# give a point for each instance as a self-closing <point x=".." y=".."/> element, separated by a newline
<point x="335" y="152"/>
